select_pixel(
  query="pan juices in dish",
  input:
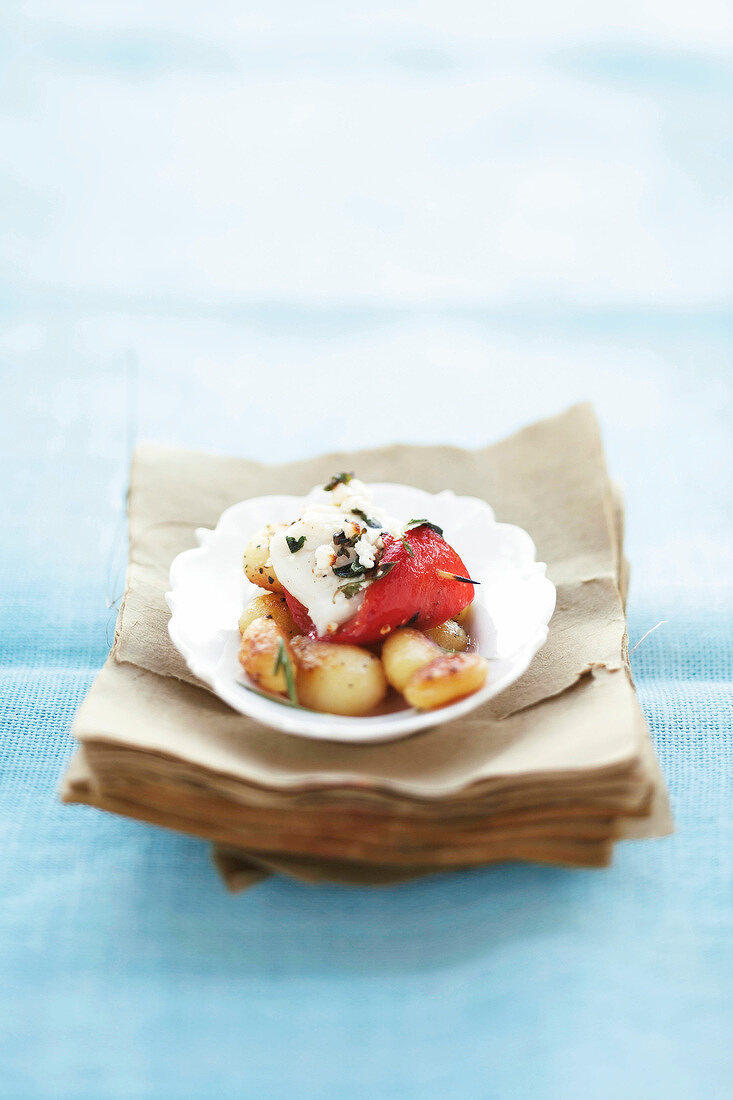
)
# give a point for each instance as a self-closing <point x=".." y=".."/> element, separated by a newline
<point x="355" y="604"/>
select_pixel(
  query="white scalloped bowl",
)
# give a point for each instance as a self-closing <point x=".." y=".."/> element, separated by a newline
<point x="512" y="608"/>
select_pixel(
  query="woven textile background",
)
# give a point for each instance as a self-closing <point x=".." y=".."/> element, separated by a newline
<point x="289" y="228"/>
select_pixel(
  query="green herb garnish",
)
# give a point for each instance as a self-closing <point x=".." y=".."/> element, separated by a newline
<point x="337" y="479"/>
<point x="424" y="523"/>
<point x="351" y="588"/>
<point x="295" y="544"/>
<point x="407" y="546"/>
<point x="282" y="661"/>
<point x="341" y="539"/>
<point x="351" y="569"/>
<point x="369" y="522"/>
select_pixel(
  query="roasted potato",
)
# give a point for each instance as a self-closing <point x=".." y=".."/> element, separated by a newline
<point x="447" y="678"/>
<point x="463" y="616"/>
<point x="271" y="606"/>
<point x="258" y="655"/>
<point x="404" y="652"/>
<point x="449" y="635"/>
<point x="256" y="561"/>
<point x="337" y="679"/>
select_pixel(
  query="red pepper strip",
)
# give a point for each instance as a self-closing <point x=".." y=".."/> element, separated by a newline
<point x="300" y="615"/>
<point x="411" y="592"/>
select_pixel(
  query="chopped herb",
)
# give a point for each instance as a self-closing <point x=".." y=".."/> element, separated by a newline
<point x="424" y="523"/>
<point x="352" y="588"/>
<point x="407" y="546"/>
<point x="351" y="569"/>
<point x="295" y="544"/>
<point x="337" y="479"/>
<point x="282" y="661"/>
<point x="341" y="538"/>
<point x="369" y="522"/>
<point x="374" y="574"/>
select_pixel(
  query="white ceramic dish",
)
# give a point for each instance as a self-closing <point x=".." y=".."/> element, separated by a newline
<point x="512" y="608"/>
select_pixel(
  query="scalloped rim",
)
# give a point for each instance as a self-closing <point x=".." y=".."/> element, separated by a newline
<point x="313" y="724"/>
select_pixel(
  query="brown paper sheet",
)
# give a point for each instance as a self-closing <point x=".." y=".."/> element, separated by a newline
<point x="587" y="729"/>
<point x="568" y="735"/>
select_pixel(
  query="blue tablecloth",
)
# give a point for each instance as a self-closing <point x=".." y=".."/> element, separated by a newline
<point x="279" y="229"/>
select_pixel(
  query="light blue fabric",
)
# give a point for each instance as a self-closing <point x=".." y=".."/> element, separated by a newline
<point x="275" y="229"/>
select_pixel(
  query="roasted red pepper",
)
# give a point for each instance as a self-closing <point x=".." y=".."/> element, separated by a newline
<point x="413" y="592"/>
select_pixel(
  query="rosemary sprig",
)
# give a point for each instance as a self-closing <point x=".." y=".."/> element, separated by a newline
<point x="271" y="696"/>
<point x="282" y="661"/>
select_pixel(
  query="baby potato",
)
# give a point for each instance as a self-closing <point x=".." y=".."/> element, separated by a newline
<point x="449" y="635"/>
<point x="270" y="606"/>
<point x="404" y="652"/>
<point x="256" y="561"/>
<point x="464" y="615"/>
<point x="446" y="679"/>
<point x="337" y="679"/>
<point x="258" y="655"/>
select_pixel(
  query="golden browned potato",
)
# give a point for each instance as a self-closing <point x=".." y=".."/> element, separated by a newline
<point x="446" y="679"/>
<point x="272" y="606"/>
<point x="404" y="652"/>
<point x="258" y="655"/>
<point x="449" y="635"/>
<point x="338" y="679"/>
<point x="256" y="561"/>
<point x="463" y="616"/>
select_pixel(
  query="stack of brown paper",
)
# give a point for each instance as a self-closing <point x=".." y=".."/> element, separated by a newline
<point x="554" y="770"/>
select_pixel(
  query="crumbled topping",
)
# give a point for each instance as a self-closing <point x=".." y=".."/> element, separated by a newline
<point x="367" y="549"/>
<point x="325" y="556"/>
